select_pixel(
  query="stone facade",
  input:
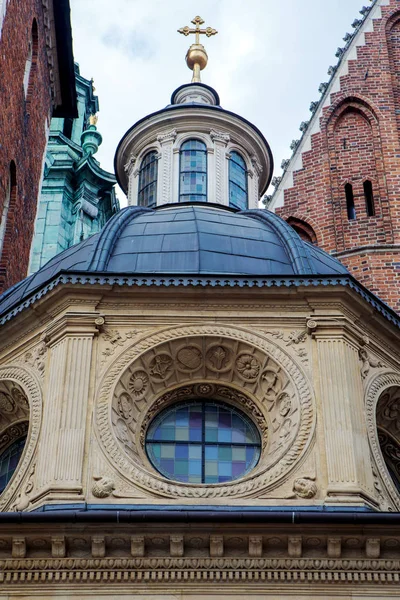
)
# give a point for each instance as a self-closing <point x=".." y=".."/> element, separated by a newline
<point x="307" y="368"/>
<point x="352" y="142"/>
<point x="77" y="196"/>
<point x="31" y="87"/>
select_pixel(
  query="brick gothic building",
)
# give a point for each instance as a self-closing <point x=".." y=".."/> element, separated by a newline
<point x="36" y="82"/>
<point x="341" y="187"/>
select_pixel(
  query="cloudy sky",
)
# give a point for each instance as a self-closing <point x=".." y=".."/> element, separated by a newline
<point x="266" y="62"/>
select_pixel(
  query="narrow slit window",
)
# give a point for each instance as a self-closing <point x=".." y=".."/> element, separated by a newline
<point x="351" y="210"/>
<point x="369" y="198"/>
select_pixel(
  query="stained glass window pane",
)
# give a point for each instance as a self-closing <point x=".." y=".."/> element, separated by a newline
<point x="237" y="182"/>
<point x="147" y="193"/>
<point x="203" y="442"/>
<point x="193" y="172"/>
<point x="9" y="461"/>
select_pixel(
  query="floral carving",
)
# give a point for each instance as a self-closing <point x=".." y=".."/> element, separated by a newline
<point x="36" y="358"/>
<point x="295" y="340"/>
<point x="287" y="421"/>
<point x="368" y="362"/>
<point x="218" y="358"/>
<point x="115" y="339"/>
<point x="248" y="366"/>
<point x="138" y="383"/>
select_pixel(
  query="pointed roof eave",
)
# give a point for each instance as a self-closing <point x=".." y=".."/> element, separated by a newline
<point x="295" y="163"/>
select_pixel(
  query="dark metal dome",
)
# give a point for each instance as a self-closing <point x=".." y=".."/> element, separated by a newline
<point x="193" y="239"/>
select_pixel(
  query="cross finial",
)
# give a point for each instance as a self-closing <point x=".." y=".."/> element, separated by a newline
<point x="196" y="57"/>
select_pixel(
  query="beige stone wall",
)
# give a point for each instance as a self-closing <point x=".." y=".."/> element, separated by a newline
<point x="91" y="372"/>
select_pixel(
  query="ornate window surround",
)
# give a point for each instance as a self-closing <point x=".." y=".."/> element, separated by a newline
<point x="219" y="146"/>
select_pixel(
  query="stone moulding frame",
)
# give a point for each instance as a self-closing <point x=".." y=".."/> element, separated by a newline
<point x="251" y="485"/>
<point x="29" y="383"/>
<point x="374" y="391"/>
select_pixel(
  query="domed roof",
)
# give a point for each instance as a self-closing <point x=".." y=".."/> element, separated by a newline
<point x="195" y="239"/>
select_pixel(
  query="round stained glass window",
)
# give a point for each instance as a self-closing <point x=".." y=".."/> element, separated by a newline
<point x="203" y="442"/>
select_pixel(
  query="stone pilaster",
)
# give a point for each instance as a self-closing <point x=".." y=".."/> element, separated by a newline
<point x="61" y="452"/>
<point x="220" y="140"/>
<point x="349" y="470"/>
<point x="165" y="192"/>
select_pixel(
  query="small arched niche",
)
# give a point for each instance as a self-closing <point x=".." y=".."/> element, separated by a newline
<point x="388" y="429"/>
<point x="14" y="425"/>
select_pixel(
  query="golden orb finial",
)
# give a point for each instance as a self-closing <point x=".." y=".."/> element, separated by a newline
<point x="93" y="119"/>
<point x="196" y="57"/>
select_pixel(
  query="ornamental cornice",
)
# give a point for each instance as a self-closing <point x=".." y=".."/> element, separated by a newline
<point x="199" y="557"/>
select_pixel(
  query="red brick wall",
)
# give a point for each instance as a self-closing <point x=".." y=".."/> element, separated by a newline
<point x="359" y="140"/>
<point x="22" y="132"/>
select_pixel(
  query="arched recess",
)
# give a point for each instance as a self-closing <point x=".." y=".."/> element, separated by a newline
<point x="31" y="64"/>
<point x="20" y="415"/>
<point x="7" y="218"/>
<point x="304" y="229"/>
<point x="355" y="156"/>
<point x="383" y="422"/>
<point x="388" y="429"/>
<point x="392" y="40"/>
<point x="231" y="365"/>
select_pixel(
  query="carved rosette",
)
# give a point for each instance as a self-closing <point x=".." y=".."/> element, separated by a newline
<point x="232" y="365"/>
<point x="388" y="416"/>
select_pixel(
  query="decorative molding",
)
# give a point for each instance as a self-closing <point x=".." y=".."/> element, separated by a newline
<point x="368" y="362"/>
<point x="31" y="388"/>
<point x="115" y="339"/>
<point x="36" y="358"/>
<point x="277" y="387"/>
<point x="296" y="340"/>
<point x="200" y="557"/>
<point x="220" y="136"/>
<point x="168" y="136"/>
<point x="377" y="386"/>
<point x="130" y="164"/>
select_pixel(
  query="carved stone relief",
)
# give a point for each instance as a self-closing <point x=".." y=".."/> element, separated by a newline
<point x="231" y="364"/>
<point x="21" y="401"/>
<point x="114" y="339"/>
<point x="382" y="411"/>
<point x="295" y="340"/>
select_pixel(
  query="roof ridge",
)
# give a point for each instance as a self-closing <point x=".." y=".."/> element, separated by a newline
<point x="317" y="106"/>
<point x="110" y="234"/>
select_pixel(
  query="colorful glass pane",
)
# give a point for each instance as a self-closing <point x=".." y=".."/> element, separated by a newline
<point x="237" y="182"/>
<point x="9" y="461"/>
<point x="203" y="442"/>
<point x="193" y="172"/>
<point x="147" y="192"/>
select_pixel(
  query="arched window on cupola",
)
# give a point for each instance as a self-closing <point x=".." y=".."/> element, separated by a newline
<point x="193" y="172"/>
<point x="147" y="193"/>
<point x="238" y="194"/>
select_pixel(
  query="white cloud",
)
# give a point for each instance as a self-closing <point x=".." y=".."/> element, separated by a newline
<point x="266" y="62"/>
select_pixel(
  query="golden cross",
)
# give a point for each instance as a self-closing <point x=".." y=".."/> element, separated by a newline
<point x="196" y="57"/>
<point x="209" y="31"/>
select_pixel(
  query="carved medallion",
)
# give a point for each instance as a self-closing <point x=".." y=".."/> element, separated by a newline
<point x="125" y="407"/>
<point x="285" y="422"/>
<point x="138" y="383"/>
<point x="248" y="367"/>
<point x="160" y="367"/>
<point x="219" y="358"/>
<point x="189" y="358"/>
<point x="7" y="404"/>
